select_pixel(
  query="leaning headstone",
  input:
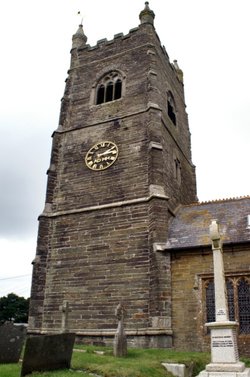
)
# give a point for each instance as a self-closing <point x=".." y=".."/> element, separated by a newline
<point x="120" y="341"/>
<point x="224" y="349"/>
<point x="11" y="342"/>
<point x="47" y="352"/>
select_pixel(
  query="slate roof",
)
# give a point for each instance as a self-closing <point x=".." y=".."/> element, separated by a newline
<point x="190" y="227"/>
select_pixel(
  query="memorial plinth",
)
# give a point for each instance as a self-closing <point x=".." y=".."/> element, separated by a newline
<point x="224" y="349"/>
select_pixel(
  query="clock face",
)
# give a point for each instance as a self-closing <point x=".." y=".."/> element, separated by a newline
<point x="102" y="155"/>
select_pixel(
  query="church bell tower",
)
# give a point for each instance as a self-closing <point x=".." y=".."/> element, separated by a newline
<point x="120" y="166"/>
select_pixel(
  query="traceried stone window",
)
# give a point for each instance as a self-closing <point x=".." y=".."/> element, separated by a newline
<point x="109" y="88"/>
<point x="171" y="108"/>
<point x="238" y="294"/>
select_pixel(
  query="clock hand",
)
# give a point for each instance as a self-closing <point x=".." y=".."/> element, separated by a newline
<point x="106" y="152"/>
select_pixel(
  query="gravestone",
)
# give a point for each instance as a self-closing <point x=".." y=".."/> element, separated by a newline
<point x="120" y="341"/>
<point x="47" y="352"/>
<point x="11" y="342"/>
<point x="224" y="349"/>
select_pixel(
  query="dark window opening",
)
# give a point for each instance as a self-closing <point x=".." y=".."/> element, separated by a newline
<point x="238" y="294"/>
<point x="210" y="302"/>
<point x="171" y="113"/>
<point x="244" y="306"/>
<point x="230" y="298"/>
<point x="109" y="92"/>
<point x="100" y="94"/>
<point x="118" y="89"/>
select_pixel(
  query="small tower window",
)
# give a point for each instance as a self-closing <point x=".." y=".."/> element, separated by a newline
<point x="171" y="113"/>
<point x="109" y="88"/>
<point x="171" y="108"/>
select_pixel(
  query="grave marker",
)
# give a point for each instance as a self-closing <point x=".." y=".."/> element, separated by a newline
<point x="47" y="352"/>
<point x="11" y="342"/>
<point x="120" y="341"/>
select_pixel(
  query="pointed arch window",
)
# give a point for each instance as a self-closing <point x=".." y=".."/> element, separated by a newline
<point x="238" y="295"/>
<point x="171" y="108"/>
<point x="109" y="88"/>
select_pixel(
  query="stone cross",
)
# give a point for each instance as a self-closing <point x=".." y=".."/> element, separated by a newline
<point x="120" y="312"/>
<point x="221" y="306"/>
<point x="65" y="316"/>
<point x="120" y="340"/>
<point x="224" y="349"/>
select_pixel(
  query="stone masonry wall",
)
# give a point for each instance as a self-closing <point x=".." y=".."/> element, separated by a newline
<point x="97" y="259"/>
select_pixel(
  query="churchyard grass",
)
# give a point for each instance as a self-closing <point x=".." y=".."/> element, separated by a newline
<point x="138" y="363"/>
<point x="13" y="370"/>
<point x="10" y="370"/>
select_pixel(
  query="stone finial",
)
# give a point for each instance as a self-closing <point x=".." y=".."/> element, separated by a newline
<point x="178" y="70"/>
<point x="147" y="15"/>
<point x="79" y="39"/>
<point x="176" y="65"/>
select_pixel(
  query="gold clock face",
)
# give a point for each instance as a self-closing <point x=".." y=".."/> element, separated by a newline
<point x="102" y="155"/>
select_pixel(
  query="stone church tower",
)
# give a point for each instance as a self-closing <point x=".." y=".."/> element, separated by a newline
<point x="120" y="166"/>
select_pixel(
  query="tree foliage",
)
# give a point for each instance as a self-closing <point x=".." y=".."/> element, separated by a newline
<point x="14" y="308"/>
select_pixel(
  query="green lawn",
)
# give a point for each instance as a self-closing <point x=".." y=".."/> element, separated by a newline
<point x="14" y="370"/>
<point x="138" y="363"/>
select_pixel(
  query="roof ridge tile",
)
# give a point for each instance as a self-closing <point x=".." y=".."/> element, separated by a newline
<point x="223" y="200"/>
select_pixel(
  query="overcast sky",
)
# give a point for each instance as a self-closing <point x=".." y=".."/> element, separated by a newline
<point x="210" y="40"/>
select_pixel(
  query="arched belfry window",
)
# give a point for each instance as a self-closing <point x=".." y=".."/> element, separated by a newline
<point x="109" y="88"/>
<point x="171" y="108"/>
